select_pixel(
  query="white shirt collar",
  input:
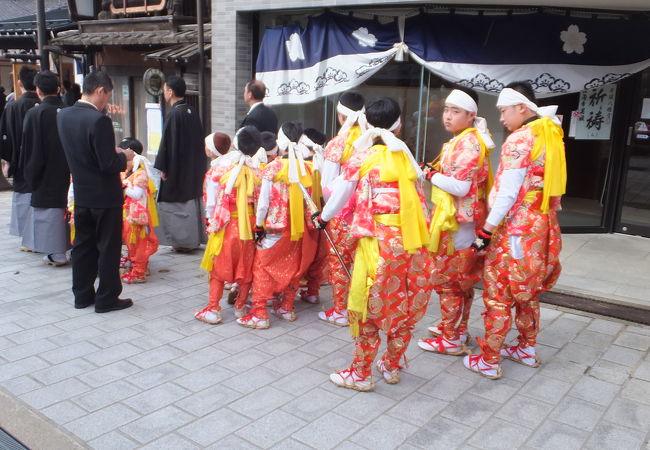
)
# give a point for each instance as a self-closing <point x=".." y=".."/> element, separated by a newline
<point x="87" y="103"/>
<point x="254" y="106"/>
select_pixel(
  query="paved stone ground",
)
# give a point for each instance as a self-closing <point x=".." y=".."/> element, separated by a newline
<point x="153" y="377"/>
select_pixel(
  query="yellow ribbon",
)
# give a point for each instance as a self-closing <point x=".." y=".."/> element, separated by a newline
<point x="212" y="249"/>
<point x="245" y="185"/>
<point x="316" y="189"/>
<point x="549" y="140"/>
<point x="353" y="134"/>
<point x="151" y="204"/>
<point x="296" y="201"/>
<point x="443" y="219"/>
<point x="363" y="277"/>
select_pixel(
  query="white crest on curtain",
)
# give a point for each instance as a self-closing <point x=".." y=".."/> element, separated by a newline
<point x="364" y="38"/>
<point x="574" y="40"/>
<point x="294" y="47"/>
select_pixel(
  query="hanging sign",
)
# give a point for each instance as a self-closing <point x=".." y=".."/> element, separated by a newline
<point x="154" y="127"/>
<point x="596" y="110"/>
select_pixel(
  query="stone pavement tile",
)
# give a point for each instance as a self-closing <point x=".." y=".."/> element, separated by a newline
<point x="642" y="372"/>
<point x="515" y="371"/>
<point x="75" y="323"/>
<point x="498" y="392"/>
<point x="428" y="365"/>
<point x="312" y="331"/>
<point x="525" y="411"/>
<point x="562" y="369"/>
<point x="328" y="364"/>
<point x="196" y="341"/>
<point x="594" y="339"/>
<point x="214" y="427"/>
<point x="261" y="402"/>
<point x="578" y="353"/>
<point x="87" y="334"/>
<point x="33" y="334"/>
<point x="64" y="412"/>
<point x="644" y="330"/>
<point x="497" y="434"/>
<point x="254" y="379"/>
<point x="156" y="424"/>
<point x="285" y="343"/>
<point x="349" y="445"/>
<point x="470" y="409"/>
<point x="54" y="393"/>
<point x="546" y="389"/>
<point x="106" y="395"/>
<point x="384" y="432"/>
<point x="245" y="360"/>
<point x="446" y="386"/>
<point x="577" y="413"/>
<point x="109" y="373"/>
<point x="408" y="385"/>
<point x="171" y="442"/>
<point x="441" y="434"/>
<point x="241" y="343"/>
<point x="622" y="355"/>
<point x="324" y="346"/>
<point x="148" y="401"/>
<point x="271" y="429"/>
<point x="610" y="372"/>
<point x="327" y="432"/>
<point x="26" y="350"/>
<point x="232" y="441"/>
<point x="208" y="400"/>
<point x="595" y="391"/>
<point x="112" y="441"/>
<point x="554" y="338"/>
<point x="629" y="414"/>
<point x="554" y="436"/>
<point x="630" y="340"/>
<point x="157" y="375"/>
<point x="364" y="407"/>
<point x="299" y="381"/>
<point x="614" y="437"/>
<point x="151" y="358"/>
<point x="21" y="385"/>
<point x="102" y="421"/>
<point x="113" y="354"/>
<point x="417" y="409"/>
<point x="157" y="338"/>
<point x="118" y="323"/>
<point x="198" y="380"/>
<point x="69" y="352"/>
<point x="198" y="359"/>
<point x="313" y="404"/>
<point x="19" y="368"/>
<point x="117" y="337"/>
<point x="62" y="371"/>
<point x="636" y="389"/>
<point x="569" y="323"/>
<point x="605" y="326"/>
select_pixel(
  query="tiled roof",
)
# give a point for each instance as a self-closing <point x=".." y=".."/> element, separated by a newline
<point x="10" y="9"/>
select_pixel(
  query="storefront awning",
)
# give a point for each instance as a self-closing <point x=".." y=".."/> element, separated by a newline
<point x="183" y="52"/>
<point x="20" y="32"/>
<point x="556" y="53"/>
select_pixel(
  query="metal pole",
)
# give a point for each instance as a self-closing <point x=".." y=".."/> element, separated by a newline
<point x="41" y="34"/>
<point x="199" y="23"/>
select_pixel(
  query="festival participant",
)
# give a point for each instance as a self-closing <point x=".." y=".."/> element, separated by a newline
<point x="270" y="144"/>
<point x="350" y="114"/>
<point x="523" y="259"/>
<point x="390" y="282"/>
<point x="140" y="213"/>
<point x="460" y="187"/>
<point x="280" y="225"/>
<point x="231" y="191"/>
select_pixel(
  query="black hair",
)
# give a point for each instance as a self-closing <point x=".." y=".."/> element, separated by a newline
<point x="382" y="112"/>
<point x="316" y="136"/>
<point x="472" y="93"/>
<point x="292" y="130"/>
<point x="268" y="140"/>
<point x="177" y="85"/>
<point x="95" y="80"/>
<point x="524" y="88"/>
<point x="257" y="89"/>
<point x="67" y="85"/>
<point x="26" y="77"/>
<point x="249" y="140"/>
<point x="47" y="82"/>
<point x="353" y="100"/>
<point x="132" y="143"/>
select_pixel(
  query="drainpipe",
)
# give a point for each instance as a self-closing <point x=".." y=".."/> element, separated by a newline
<point x="41" y="33"/>
<point x="199" y="30"/>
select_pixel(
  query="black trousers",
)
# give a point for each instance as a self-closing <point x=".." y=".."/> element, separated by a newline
<point x="96" y="252"/>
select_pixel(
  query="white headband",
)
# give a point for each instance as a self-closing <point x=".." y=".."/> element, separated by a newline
<point x="510" y="97"/>
<point x="209" y="142"/>
<point x="394" y="143"/>
<point x="352" y="117"/>
<point x="253" y="162"/>
<point x="394" y="126"/>
<point x="296" y="160"/>
<point x="462" y="100"/>
<point x="317" y="151"/>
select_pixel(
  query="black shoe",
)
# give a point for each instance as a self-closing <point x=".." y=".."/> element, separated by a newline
<point x="119" y="304"/>
<point x="83" y="305"/>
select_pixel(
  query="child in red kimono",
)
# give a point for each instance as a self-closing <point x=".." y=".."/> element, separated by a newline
<point x="390" y="281"/>
<point x="140" y="213"/>
<point x="231" y="189"/>
<point x="351" y="116"/>
<point x="522" y="259"/>
<point x="270" y="144"/>
<point x="460" y="187"/>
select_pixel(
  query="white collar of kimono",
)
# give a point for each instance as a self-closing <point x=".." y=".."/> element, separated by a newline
<point x="510" y="97"/>
<point x="253" y="162"/>
<point x="296" y="153"/>
<point x="352" y="117"/>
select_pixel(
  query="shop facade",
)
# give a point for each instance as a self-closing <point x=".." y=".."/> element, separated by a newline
<point x="609" y="168"/>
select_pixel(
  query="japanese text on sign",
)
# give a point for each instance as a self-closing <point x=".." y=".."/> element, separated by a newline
<point x="596" y="110"/>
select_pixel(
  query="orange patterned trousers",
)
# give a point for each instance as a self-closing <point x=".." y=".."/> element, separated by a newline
<point x="511" y="282"/>
<point x="346" y="246"/>
<point x="315" y="273"/>
<point x="141" y="249"/>
<point x="397" y="301"/>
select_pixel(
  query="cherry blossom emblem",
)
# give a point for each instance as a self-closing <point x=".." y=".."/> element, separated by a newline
<point x="364" y="37"/>
<point x="573" y="39"/>
<point x="294" y="47"/>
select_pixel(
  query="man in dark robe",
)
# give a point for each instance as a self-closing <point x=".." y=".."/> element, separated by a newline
<point x="182" y="161"/>
<point x="11" y="132"/>
<point x="46" y="173"/>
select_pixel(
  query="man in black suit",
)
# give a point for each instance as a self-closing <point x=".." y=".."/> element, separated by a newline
<point x="88" y="141"/>
<point x="259" y="115"/>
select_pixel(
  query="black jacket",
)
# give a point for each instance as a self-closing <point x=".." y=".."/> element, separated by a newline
<point x="89" y="145"/>
<point x="263" y="118"/>
<point x="11" y="134"/>
<point x="42" y="158"/>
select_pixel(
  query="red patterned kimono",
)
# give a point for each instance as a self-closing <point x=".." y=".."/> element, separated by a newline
<point x="454" y="275"/>
<point x="522" y="260"/>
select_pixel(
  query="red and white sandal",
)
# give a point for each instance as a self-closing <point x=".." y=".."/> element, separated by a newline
<point x="208" y="315"/>
<point x="443" y="346"/>
<point x="283" y="314"/>
<point x="350" y="379"/>
<point x="252" y="321"/>
<point x="477" y="364"/>
<point x="389" y="376"/>
<point x="522" y="355"/>
<point x="338" y="318"/>
<point x="436" y="331"/>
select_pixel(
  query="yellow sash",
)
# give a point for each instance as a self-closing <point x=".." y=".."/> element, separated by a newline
<point x="316" y="189"/>
<point x="151" y="204"/>
<point x="296" y="201"/>
<point x="245" y="185"/>
<point x="353" y="134"/>
<point x="212" y="249"/>
<point x="443" y="219"/>
<point x="549" y="139"/>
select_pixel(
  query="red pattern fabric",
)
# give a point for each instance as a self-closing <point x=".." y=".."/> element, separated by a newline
<point x="346" y="245"/>
<point x="315" y="272"/>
